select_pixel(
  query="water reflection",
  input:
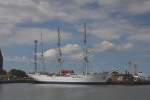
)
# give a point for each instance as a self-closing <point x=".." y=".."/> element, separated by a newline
<point x="72" y="92"/>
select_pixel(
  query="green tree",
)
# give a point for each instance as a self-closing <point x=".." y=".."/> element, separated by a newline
<point x="15" y="73"/>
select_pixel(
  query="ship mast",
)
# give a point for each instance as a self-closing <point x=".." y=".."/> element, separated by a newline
<point x="35" y="56"/>
<point x="85" y="51"/>
<point x="60" y="60"/>
<point x="42" y="53"/>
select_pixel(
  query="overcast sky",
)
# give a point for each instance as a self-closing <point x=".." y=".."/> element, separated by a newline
<point x="118" y="31"/>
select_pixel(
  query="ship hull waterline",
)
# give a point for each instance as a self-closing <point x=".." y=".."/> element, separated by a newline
<point x="67" y="80"/>
<point x="70" y="83"/>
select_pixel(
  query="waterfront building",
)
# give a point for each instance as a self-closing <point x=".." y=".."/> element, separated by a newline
<point x="1" y="62"/>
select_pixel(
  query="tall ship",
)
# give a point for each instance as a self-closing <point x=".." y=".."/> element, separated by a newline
<point x="69" y="76"/>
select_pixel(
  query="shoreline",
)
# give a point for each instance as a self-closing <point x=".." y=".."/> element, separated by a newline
<point x="15" y="81"/>
<point x="107" y="83"/>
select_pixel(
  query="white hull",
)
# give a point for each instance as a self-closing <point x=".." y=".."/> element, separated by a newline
<point x="71" y="79"/>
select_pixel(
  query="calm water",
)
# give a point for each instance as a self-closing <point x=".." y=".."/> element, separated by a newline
<point x="72" y="92"/>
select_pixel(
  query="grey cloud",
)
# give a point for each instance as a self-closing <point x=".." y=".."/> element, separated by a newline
<point x="71" y="11"/>
<point x="143" y="34"/>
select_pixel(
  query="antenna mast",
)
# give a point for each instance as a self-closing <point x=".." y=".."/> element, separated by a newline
<point x="130" y="67"/>
<point x="135" y="69"/>
<point x="85" y="51"/>
<point x="35" y="55"/>
<point x="60" y="60"/>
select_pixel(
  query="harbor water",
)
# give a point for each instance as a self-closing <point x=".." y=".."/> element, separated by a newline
<point x="73" y="92"/>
